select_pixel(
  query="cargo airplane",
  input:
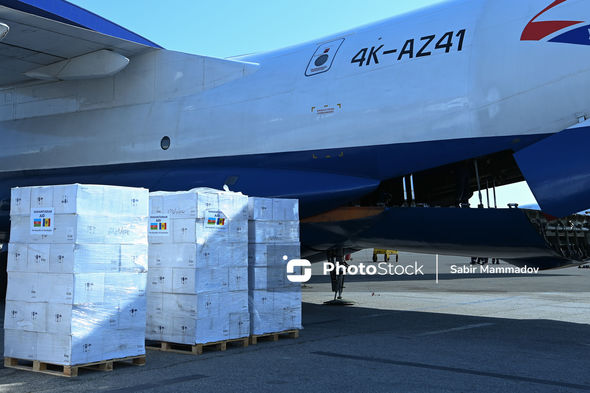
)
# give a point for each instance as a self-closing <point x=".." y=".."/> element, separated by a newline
<point x="383" y="132"/>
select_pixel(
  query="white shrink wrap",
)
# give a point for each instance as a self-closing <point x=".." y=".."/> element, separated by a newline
<point x="155" y="303"/>
<point x="198" y="266"/>
<point x="184" y="204"/>
<point x="83" y="199"/>
<point x="260" y="209"/>
<point x="196" y="256"/>
<point x="214" y="229"/>
<point x="24" y="286"/>
<point x="265" y="278"/>
<point x="20" y="201"/>
<point x="38" y="258"/>
<point x="17" y="257"/>
<point x="77" y="274"/>
<point x="74" y="228"/>
<point x="212" y="329"/>
<point x="238" y="279"/>
<point x="285" y="209"/>
<point x="203" y="280"/>
<point x="268" y="254"/>
<point x="234" y="301"/>
<point x="26" y="316"/>
<point x="273" y="209"/>
<point x="180" y="256"/>
<point x="123" y="343"/>
<point x="274" y="302"/>
<point x="239" y="325"/>
<point x="273" y="232"/>
<point x="261" y="302"/>
<point x="20" y="344"/>
<point x="234" y="206"/>
<point x="159" y="280"/>
<point x="67" y="349"/>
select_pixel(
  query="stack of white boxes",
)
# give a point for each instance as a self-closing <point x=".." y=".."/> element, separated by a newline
<point x="275" y="302"/>
<point x="77" y="273"/>
<point x="198" y="267"/>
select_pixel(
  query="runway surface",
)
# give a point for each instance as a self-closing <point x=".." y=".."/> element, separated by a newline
<point x="483" y="333"/>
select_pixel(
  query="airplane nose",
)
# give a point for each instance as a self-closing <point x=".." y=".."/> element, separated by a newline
<point x="3" y="30"/>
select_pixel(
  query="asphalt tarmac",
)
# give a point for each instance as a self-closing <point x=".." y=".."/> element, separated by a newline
<point x="466" y="333"/>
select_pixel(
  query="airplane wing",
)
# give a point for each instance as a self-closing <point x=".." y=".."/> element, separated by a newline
<point x="37" y="39"/>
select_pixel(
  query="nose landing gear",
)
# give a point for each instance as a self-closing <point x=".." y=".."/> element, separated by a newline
<point x="337" y="279"/>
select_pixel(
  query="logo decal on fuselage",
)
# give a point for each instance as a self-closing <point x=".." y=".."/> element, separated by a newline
<point x="538" y="30"/>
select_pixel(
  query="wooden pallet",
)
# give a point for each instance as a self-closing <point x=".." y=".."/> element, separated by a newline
<point x="68" y="371"/>
<point x="273" y="336"/>
<point x="196" y="349"/>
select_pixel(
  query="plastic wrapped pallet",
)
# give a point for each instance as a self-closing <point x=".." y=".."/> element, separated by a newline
<point x="198" y="267"/>
<point x="77" y="274"/>
<point x="273" y="233"/>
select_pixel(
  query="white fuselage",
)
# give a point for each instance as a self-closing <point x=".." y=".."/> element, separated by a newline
<point x="495" y="85"/>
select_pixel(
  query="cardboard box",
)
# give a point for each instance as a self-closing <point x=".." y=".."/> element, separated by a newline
<point x="285" y="209"/>
<point x="70" y="349"/>
<point x="25" y="316"/>
<point x="261" y="302"/>
<point x="260" y="209"/>
<point x="234" y="302"/>
<point x="20" y="201"/>
<point x="194" y="281"/>
<point x="239" y="325"/>
<point x="26" y="287"/>
<point x="17" y="257"/>
<point x="159" y="280"/>
<point x="20" y="344"/>
<point x="273" y="232"/>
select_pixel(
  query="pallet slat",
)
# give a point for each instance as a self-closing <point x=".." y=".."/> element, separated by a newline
<point x="68" y="371"/>
<point x="196" y="349"/>
<point x="273" y="336"/>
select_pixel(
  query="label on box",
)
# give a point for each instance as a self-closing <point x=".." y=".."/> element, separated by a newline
<point x="159" y="226"/>
<point x="216" y="220"/>
<point x="42" y="221"/>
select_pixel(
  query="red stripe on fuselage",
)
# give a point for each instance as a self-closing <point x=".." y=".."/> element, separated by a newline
<point x="536" y="31"/>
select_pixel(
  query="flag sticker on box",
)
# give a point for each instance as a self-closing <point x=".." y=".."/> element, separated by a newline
<point x="159" y="225"/>
<point x="215" y="220"/>
<point x="42" y="221"/>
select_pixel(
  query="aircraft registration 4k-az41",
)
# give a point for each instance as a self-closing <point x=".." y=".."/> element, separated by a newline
<point x="382" y="132"/>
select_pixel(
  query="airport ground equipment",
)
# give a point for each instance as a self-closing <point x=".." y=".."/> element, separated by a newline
<point x="386" y="254"/>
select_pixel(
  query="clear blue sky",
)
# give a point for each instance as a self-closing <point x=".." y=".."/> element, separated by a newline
<point x="234" y="27"/>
